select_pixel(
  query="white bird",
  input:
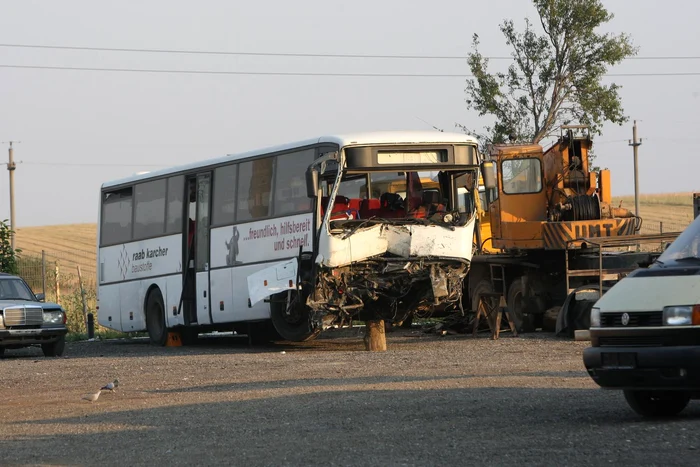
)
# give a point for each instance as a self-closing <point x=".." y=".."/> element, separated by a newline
<point x="92" y="397"/>
<point x="111" y="386"/>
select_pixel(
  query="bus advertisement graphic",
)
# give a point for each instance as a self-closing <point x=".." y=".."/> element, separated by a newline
<point x="261" y="241"/>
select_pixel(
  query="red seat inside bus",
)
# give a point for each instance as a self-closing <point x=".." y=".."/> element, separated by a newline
<point x="343" y="207"/>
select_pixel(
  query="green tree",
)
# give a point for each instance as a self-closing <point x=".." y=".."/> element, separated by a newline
<point x="8" y="256"/>
<point x="555" y="78"/>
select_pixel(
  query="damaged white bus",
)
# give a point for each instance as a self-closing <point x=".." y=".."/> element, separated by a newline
<point x="286" y="241"/>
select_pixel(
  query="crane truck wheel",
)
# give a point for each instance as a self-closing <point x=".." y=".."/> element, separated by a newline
<point x="482" y="287"/>
<point x="516" y="306"/>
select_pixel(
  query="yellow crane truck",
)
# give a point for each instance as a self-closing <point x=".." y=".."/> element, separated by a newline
<point x="531" y="246"/>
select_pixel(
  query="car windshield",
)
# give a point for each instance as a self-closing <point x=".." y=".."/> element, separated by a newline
<point x="15" y="289"/>
<point x="685" y="248"/>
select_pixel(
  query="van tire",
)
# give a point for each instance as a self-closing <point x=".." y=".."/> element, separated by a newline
<point x="657" y="403"/>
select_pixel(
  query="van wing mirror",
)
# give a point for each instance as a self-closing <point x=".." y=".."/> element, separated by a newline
<point x="488" y="174"/>
<point x="311" y="182"/>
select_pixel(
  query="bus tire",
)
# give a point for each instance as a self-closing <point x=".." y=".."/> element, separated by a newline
<point x="516" y="306"/>
<point x="155" y="318"/>
<point x="295" y="328"/>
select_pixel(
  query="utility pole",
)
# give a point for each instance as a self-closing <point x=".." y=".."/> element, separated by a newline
<point x="11" y="166"/>
<point x="635" y="144"/>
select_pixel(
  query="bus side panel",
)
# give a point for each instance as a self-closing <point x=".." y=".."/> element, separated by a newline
<point x="133" y="296"/>
<point x="221" y="293"/>
<point x="171" y="295"/>
<point x="239" y="284"/>
<point x="109" y="314"/>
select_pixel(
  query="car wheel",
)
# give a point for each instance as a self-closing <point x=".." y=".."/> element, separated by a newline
<point x="54" y="349"/>
<point x="2" y="351"/>
<point x="657" y="403"/>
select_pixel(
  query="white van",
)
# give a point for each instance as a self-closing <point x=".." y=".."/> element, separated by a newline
<point x="645" y="331"/>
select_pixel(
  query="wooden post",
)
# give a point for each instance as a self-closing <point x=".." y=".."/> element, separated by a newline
<point x="43" y="273"/>
<point x="82" y="296"/>
<point x="375" y="338"/>
<point x="58" y="286"/>
<point x="661" y="231"/>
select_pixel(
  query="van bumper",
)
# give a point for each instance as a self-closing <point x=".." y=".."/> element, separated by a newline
<point x="661" y="368"/>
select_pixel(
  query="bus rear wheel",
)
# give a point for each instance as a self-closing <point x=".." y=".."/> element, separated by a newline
<point x="155" y="318"/>
<point x="294" y="325"/>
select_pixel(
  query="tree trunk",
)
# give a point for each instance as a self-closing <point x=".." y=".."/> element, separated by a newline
<point x="375" y="338"/>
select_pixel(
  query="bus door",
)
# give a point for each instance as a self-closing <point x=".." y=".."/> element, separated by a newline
<point x="197" y="309"/>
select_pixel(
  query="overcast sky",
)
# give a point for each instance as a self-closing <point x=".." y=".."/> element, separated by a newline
<point x="67" y="120"/>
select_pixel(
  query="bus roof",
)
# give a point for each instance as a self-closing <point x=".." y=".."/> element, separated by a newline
<point x="350" y="139"/>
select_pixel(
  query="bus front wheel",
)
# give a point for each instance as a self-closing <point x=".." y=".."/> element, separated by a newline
<point x="293" y="324"/>
<point x="155" y="318"/>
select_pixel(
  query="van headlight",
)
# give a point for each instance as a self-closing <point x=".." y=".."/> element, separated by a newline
<point x="685" y="315"/>
<point x="595" y="317"/>
<point x="53" y="317"/>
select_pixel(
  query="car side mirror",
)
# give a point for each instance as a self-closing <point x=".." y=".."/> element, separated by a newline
<point x="41" y="297"/>
<point x="311" y="182"/>
<point x="488" y="175"/>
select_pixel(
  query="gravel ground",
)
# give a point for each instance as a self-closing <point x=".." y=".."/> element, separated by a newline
<point x="429" y="400"/>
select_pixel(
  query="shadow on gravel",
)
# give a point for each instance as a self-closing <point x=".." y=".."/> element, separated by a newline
<point x="481" y="426"/>
<point x="349" y="381"/>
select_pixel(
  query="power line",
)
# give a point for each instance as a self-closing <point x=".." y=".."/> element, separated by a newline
<point x="76" y="164"/>
<point x="300" y="73"/>
<point x="294" y="54"/>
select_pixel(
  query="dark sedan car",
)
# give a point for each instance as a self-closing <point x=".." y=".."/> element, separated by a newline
<point x="26" y="320"/>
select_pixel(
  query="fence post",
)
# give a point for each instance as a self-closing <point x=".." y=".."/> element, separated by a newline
<point x="43" y="272"/>
<point x="661" y="231"/>
<point x="82" y="296"/>
<point x="58" y="287"/>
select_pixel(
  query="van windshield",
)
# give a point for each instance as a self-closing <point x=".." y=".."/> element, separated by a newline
<point x="684" y="248"/>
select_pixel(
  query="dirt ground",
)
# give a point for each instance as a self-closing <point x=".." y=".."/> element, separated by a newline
<point x="454" y="400"/>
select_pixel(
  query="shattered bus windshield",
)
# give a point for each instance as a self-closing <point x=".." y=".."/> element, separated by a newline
<point x="397" y="196"/>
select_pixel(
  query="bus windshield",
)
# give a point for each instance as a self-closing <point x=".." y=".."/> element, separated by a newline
<point x="396" y="195"/>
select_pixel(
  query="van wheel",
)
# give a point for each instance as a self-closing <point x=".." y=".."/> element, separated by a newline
<point x="55" y="348"/>
<point x="295" y="325"/>
<point x="516" y="305"/>
<point x="657" y="403"/>
<point x="155" y="318"/>
<point x="2" y="351"/>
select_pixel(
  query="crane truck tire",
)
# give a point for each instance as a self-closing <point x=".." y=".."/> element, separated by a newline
<point x="482" y="287"/>
<point x="516" y="305"/>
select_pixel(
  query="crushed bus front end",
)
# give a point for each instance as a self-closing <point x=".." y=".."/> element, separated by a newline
<point x="391" y="269"/>
<point x="394" y="228"/>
